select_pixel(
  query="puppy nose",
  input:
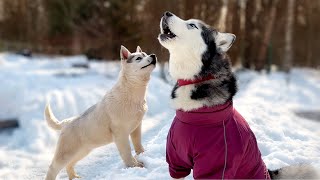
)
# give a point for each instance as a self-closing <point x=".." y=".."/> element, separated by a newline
<point x="153" y="56"/>
<point x="168" y="14"/>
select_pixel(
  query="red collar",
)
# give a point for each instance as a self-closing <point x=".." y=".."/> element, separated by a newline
<point x="182" y="82"/>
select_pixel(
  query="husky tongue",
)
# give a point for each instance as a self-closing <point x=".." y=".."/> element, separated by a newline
<point x="182" y="82"/>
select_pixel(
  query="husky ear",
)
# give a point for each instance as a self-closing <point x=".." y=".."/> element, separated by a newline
<point x="224" y="41"/>
<point x="139" y="49"/>
<point x="124" y="53"/>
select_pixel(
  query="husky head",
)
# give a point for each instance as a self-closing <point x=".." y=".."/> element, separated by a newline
<point x="197" y="51"/>
<point x="192" y="44"/>
<point x="138" y="64"/>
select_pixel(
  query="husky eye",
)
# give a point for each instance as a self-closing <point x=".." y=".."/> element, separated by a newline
<point x="191" y="26"/>
<point x="138" y="59"/>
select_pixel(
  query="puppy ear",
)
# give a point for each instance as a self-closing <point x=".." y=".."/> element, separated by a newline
<point x="124" y="53"/>
<point x="224" y="41"/>
<point x="139" y="49"/>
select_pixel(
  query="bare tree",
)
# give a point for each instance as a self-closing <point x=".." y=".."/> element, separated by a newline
<point x="223" y="16"/>
<point x="242" y="28"/>
<point x="266" y="36"/>
<point x="1" y="10"/>
<point x="250" y="32"/>
<point x="287" y="62"/>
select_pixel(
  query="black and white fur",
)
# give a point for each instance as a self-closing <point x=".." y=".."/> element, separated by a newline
<point x="198" y="51"/>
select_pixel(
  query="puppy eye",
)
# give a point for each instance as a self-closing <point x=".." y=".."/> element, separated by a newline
<point x="138" y="59"/>
<point x="192" y="26"/>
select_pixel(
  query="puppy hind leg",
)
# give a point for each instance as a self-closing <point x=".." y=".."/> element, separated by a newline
<point x="70" y="167"/>
<point x="63" y="155"/>
<point x="54" y="168"/>
<point x="71" y="173"/>
<point x="53" y="171"/>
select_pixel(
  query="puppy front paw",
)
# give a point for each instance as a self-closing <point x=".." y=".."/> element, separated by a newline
<point x="139" y="164"/>
<point x="139" y="150"/>
<point x="135" y="163"/>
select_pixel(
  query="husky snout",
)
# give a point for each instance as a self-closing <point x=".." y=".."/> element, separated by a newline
<point x="167" y="14"/>
<point x="166" y="32"/>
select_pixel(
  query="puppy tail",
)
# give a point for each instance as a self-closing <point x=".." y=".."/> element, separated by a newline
<point x="51" y="119"/>
<point x="301" y="171"/>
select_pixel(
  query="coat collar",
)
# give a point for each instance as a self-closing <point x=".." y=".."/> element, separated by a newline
<point x="206" y="115"/>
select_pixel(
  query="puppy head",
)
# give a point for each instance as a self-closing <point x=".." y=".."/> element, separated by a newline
<point x="137" y="64"/>
<point x="189" y="42"/>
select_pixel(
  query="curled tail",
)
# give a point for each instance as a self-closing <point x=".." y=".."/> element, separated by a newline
<point x="302" y="171"/>
<point x="51" y="119"/>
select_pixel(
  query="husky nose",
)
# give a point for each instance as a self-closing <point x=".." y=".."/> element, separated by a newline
<point x="168" y="14"/>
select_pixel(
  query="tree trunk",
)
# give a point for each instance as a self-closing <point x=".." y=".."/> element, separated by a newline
<point x="223" y="16"/>
<point x="1" y="10"/>
<point x="266" y="37"/>
<point x="249" y="38"/>
<point x="189" y="9"/>
<point x="242" y="28"/>
<point x="287" y="62"/>
<point x="309" y="34"/>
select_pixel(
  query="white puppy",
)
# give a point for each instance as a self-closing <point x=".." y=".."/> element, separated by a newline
<point x="113" y="119"/>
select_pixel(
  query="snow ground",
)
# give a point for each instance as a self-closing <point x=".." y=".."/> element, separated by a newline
<point x="268" y="103"/>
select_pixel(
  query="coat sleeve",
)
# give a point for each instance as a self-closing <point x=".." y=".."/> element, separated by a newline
<point x="177" y="168"/>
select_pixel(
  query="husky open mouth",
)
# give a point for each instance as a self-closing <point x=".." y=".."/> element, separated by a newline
<point x="166" y="33"/>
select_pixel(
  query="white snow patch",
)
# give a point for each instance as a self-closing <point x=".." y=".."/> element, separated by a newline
<point x="266" y="101"/>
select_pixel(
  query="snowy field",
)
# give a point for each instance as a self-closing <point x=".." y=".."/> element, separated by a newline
<point x="268" y="102"/>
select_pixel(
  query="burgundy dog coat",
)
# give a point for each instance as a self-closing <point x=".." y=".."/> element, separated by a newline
<point x="196" y="141"/>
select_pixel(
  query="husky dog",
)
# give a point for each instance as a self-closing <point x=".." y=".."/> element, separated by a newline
<point x="116" y="117"/>
<point x="202" y="95"/>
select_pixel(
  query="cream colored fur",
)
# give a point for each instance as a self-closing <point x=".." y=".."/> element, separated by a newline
<point x="116" y="117"/>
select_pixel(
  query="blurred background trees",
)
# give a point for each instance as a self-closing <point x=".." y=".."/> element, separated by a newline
<point x="281" y="32"/>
